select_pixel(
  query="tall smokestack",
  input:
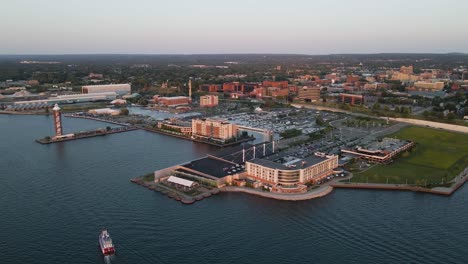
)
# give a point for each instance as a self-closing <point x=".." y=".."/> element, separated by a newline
<point x="190" y="87"/>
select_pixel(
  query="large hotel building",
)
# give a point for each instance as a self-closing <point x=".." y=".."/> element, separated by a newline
<point x="292" y="171"/>
<point x="213" y="129"/>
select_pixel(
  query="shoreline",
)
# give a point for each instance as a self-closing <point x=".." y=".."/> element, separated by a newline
<point x="314" y="194"/>
<point x="320" y="192"/>
<point x="445" y="191"/>
<point x="22" y="113"/>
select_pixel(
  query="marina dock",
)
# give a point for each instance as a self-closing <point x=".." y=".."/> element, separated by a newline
<point x="87" y="134"/>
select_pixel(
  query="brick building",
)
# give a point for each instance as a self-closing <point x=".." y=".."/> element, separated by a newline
<point x="172" y="101"/>
<point x="211" y="88"/>
<point x="218" y="130"/>
<point x="308" y="94"/>
<point x="209" y="101"/>
<point x="353" y="99"/>
<point x="281" y="84"/>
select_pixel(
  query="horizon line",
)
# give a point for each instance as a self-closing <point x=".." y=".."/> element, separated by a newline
<point x="248" y="53"/>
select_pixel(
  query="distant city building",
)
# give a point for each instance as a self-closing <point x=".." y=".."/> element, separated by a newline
<point x="429" y="86"/>
<point x="277" y="92"/>
<point x="95" y="76"/>
<point x="120" y="89"/>
<point x="211" y="88"/>
<point x="381" y="151"/>
<point x="32" y="82"/>
<point x="280" y="84"/>
<point x="213" y="129"/>
<point x="288" y="172"/>
<point x="407" y="70"/>
<point x="308" y="94"/>
<point x="406" y="74"/>
<point x="249" y="87"/>
<point x="208" y="101"/>
<point x="352" y="78"/>
<point x="172" y="101"/>
<point x="375" y="86"/>
<point x="465" y="76"/>
<point x="176" y="125"/>
<point x="333" y="77"/>
<point x="232" y="87"/>
<point x="353" y="99"/>
<point x="63" y="99"/>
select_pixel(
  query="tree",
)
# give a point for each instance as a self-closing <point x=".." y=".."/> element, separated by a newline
<point x="450" y="116"/>
<point x="451" y="107"/>
<point x="124" y="111"/>
<point x="319" y="121"/>
<point x="143" y="102"/>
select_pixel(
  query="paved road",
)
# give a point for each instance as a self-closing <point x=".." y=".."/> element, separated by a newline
<point x="417" y="122"/>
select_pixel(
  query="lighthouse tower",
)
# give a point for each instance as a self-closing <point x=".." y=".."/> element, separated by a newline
<point x="57" y="120"/>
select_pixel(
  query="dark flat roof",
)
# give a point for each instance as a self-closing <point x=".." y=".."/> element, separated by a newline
<point x="220" y="164"/>
<point x="234" y="154"/>
<point x="213" y="167"/>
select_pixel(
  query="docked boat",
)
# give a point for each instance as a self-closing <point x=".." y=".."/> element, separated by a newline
<point x="105" y="242"/>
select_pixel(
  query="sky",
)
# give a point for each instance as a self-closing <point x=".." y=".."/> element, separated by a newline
<point x="232" y="26"/>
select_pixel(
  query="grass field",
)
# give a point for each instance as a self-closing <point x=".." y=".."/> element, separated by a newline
<point x="438" y="157"/>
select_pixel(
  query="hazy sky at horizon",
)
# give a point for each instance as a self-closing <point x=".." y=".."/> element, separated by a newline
<point x="241" y="26"/>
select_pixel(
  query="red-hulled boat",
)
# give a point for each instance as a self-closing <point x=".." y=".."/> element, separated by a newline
<point x="105" y="242"/>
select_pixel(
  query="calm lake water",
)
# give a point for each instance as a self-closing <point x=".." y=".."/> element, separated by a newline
<point x="55" y="199"/>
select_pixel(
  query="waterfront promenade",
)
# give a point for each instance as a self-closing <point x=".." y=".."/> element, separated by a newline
<point x="458" y="182"/>
<point x="95" y="119"/>
<point x="327" y="188"/>
<point x="87" y="134"/>
<point x="313" y="194"/>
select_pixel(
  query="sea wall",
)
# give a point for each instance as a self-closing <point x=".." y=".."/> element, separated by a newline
<point x="317" y="193"/>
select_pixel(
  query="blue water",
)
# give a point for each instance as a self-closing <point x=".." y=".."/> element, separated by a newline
<point x="54" y="200"/>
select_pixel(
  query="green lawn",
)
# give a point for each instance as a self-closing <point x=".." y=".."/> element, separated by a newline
<point x="439" y="156"/>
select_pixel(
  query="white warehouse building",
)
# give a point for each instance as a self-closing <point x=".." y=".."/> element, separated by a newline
<point x="120" y="89"/>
